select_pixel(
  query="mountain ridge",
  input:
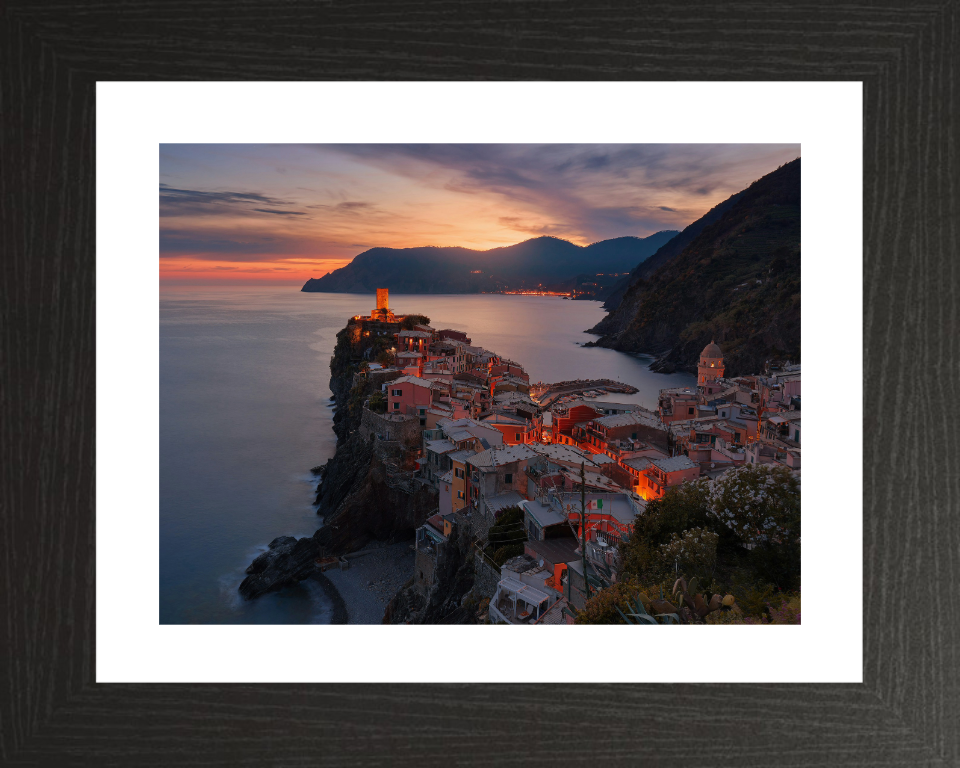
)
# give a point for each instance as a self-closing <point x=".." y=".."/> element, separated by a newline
<point x="534" y="262"/>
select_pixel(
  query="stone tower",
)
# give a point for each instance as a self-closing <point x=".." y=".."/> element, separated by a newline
<point x="383" y="299"/>
<point x="711" y="364"/>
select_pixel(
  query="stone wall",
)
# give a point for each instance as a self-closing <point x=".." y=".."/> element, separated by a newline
<point x="485" y="576"/>
<point x="480" y="523"/>
<point x="425" y="566"/>
<point x="655" y="436"/>
<point x="373" y="380"/>
<point x="391" y="427"/>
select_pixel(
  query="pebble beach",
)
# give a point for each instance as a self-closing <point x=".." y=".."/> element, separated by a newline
<point x="375" y="574"/>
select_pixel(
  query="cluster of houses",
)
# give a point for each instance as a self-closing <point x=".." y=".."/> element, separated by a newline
<point x="473" y="432"/>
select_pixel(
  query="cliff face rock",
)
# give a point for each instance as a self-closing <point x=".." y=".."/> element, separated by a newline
<point x="448" y="601"/>
<point x="358" y="497"/>
<point x="343" y="365"/>
<point x="287" y="560"/>
<point x="737" y="282"/>
<point x="362" y="502"/>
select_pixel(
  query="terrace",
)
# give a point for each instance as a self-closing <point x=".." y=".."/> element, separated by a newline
<point x="518" y="603"/>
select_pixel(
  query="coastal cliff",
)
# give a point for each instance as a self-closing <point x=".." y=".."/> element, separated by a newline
<point x="362" y="495"/>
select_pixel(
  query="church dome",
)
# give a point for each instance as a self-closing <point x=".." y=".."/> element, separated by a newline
<point x="711" y="352"/>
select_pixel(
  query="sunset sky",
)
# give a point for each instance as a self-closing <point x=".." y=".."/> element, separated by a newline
<point x="286" y="212"/>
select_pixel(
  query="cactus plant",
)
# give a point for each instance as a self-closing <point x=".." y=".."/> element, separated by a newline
<point x="687" y="596"/>
<point x="638" y="614"/>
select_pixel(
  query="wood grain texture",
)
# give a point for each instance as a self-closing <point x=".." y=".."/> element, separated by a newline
<point x="907" y="713"/>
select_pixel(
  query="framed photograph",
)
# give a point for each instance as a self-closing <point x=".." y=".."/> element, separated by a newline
<point x="404" y="365"/>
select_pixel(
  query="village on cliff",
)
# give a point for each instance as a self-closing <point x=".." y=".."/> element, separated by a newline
<point x="545" y="480"/>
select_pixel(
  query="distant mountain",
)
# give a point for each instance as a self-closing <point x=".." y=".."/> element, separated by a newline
<point x="735" y="279"/>
<point x="547" y="261"/>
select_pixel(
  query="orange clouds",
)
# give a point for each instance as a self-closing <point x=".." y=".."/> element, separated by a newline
<point x="291" y="212"/>
<point x="186" y="269"/>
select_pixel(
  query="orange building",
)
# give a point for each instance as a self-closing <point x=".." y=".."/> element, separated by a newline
<point x="661" y="474"/>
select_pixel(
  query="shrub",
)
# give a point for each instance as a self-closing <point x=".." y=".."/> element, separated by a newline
<point x="693" y="551"/>
<point x="506" y="536"/>
<point x="377" y="402"/>
<point x="411" y="320"/>
<point x="787" y="612"/>
<point x="504" y="553"/>
<point x="758" y="503"/>
<point x="777" y="563"/>
<point x="731" y="616"/>
<point x="681" y="508"/>
<point x="753" y="596"/>
<point x="602" y="607"/>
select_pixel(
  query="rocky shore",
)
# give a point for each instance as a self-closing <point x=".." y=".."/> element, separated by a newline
<point x="374" y="576"/>
<point x="356" y="498"/>
<point x="340" y="613"/>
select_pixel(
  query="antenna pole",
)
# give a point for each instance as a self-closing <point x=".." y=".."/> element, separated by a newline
<point x="583" y="527"/>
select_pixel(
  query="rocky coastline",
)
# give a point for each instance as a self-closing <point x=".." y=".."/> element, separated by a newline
<point x="357" y="498"/>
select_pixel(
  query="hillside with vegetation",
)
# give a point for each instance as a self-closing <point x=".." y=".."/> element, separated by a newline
<point x="737" y="282"/>
<point x="724" y="552"/>
<point x="645" y="269"/>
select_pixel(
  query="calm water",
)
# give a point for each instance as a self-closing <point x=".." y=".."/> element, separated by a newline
<point x="244" y="415"/>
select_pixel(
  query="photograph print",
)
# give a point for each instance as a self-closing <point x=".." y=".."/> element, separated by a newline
<point x="480" y="384"/>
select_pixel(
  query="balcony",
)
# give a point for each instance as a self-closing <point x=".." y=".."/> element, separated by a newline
<point x="505" y="610"/>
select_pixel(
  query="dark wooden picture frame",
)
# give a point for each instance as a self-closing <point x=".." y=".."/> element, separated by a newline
<point x="906" y="712"/>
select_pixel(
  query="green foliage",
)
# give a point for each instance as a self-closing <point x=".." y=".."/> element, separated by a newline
<point x="357" y="393"/>
<point x="636" y="613"/>
<point x="783" y="610"/>
<point x="629" y="603"/>
<point x="753" y="594"/>
<point x="603" y="607"/>
<point x="695" y="606"/>
<point x="740" y="534"/>
<point x="787" y="611"/>
<point x="693" y="551"/>
<point x="500" y="555"/>
<point x="681" y="508"/>
<point x="411" y="320"/>
<point x="777" y="563"/>
<point x="506" y="536"/>
<point x="727" y="617"/>
<point x="378" y="402"/>
<point x="385" y="357"/>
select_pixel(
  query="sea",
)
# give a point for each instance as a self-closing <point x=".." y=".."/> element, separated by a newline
<point x="245" y="413"/>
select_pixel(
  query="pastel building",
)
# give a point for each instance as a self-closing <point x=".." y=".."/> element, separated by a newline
<point x="515" y="429"/>
<point x="711" y="364"/>
<point x="661" y="474"/>
<point x="410" y="395"/>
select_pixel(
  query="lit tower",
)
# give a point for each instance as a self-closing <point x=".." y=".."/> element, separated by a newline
<point x="382" y="312"/>
<point x="711" y="364"/>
